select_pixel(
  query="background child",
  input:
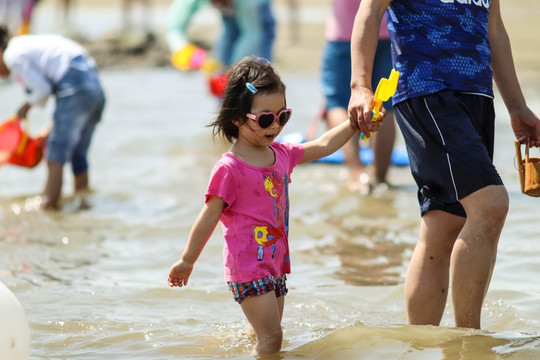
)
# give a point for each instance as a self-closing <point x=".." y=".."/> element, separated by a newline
<point x="248" y="193"/>
<point x="336" y="80"/>
<point x="51" y="64"/>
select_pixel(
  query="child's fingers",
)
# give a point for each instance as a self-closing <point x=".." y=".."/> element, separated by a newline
<point x="177" y="281"/>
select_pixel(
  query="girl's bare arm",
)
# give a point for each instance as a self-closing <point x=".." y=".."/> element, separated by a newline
<point x="200" y="233"/>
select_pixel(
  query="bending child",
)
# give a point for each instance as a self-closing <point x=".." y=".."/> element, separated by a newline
<point x="46" y="65"/>
<point x="248" y="194"/>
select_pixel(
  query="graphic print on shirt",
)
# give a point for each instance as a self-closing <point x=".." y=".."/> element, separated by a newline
<point x="439" y="45"/>
<point x="265" y="235"/>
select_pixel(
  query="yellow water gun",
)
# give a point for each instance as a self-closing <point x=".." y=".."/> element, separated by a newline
<point x="385" y="90"/>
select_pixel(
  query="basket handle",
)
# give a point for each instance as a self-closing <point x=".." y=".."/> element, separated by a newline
<point x="24" y="136"/>
<point x="518" y="155"/>
<point x="521" y="167"/>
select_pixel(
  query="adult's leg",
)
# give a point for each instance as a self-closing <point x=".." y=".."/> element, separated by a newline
<point x="264" y="313"/>
<point x="426" y="284"/>
<point x="358" y="179"/>
<point x="268" y="23"/>
<point x="475" y="252"/>
<point x="227" y="40"/>
<point x="383" y="144"/>
<point x="250" y="27"/>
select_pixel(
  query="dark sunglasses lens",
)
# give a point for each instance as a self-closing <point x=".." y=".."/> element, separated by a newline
<point x="266" y="120"/>
<point x="284" y="117"/>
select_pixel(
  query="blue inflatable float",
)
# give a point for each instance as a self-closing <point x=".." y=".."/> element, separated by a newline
<point x="399" y="156"/>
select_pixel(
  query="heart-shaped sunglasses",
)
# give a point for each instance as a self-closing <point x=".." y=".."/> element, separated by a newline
<point x="266" y="118"/>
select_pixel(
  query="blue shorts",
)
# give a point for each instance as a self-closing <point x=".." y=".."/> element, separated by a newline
<point x="336" y="72"/>
<point x="259" y="287"/>
<point x="79" y="105"/>
<point x="449" y="137"/>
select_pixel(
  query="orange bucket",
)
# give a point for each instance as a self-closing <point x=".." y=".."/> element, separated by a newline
<point x="17" y="147"/>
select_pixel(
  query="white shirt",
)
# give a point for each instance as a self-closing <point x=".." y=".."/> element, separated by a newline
<point x="38" y="62"/>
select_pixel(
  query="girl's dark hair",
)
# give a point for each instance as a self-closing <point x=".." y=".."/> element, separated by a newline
<point x="238" y="99"/>
<point x="4" y="36"/>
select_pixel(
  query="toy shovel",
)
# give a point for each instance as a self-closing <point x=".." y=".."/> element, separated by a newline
<point x="384" y="91"/>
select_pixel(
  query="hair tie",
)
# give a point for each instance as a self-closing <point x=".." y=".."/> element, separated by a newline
<point x="252" y="89"/>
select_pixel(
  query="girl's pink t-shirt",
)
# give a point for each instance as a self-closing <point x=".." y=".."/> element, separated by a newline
<point x="340" y="24"/>
<point x="255" y="221"/>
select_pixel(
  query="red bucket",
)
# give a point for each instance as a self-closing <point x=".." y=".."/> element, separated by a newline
<point x="17" y="147"/>
<point x="217" y="84"/>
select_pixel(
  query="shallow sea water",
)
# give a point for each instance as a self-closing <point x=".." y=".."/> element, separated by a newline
<point x="93" y="282"/>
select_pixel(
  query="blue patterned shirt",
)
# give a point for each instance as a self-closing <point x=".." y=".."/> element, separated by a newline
<point x="440" y="44"/>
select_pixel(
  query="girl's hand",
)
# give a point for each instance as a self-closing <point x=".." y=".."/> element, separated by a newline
<point x="198" y="237"/>
<point x="179" y="273"/>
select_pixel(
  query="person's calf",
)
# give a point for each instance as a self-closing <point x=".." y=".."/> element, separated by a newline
<point x="268" y="344"/>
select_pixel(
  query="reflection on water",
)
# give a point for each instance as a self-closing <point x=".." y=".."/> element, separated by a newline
<point x="93" y="281"/>
<point x="372" y="240"/>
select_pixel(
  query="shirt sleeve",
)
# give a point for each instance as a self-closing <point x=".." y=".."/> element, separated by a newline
<point x="37" y="87"/>
<point x="294" y="153"/>
<point x="222" y="184"/>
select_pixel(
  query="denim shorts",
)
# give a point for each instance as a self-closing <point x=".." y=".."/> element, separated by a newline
<point x="336" y="72"/>
<point x="259" y="287"/>
<point x="450" y="139"/>
<point x="79" y="105"/>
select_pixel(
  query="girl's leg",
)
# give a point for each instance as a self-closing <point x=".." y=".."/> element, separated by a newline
<point x="264" y="313"/>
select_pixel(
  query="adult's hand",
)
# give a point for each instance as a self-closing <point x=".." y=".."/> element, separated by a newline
<point x="526" y="125"/>
<point x="360" y="106"/>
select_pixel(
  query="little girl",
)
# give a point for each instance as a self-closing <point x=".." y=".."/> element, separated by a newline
<point x="248" y="194"/>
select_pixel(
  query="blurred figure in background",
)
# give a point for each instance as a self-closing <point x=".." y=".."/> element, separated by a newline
<point x="141" y="29"/>
<point x="10" y="13"/>
<point x="248" y="27"/>
<point x="127" y="16"/>
<point x="336" y="78"/>
<point x="249" y="30"/>
<point x="17" y="15"/>
<point x="27" y="12"/>
<point x="50" y="64"/>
